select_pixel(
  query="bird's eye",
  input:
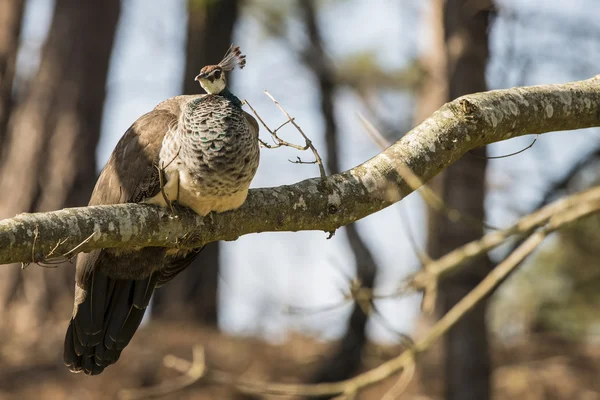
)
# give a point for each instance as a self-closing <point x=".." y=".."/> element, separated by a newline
<point x="217" y="74"/>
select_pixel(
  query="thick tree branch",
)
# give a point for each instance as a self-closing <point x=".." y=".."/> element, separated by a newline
<point x="317" y="204"/>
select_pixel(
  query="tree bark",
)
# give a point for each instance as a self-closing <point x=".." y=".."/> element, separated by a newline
<point x="462" y="187"/>
<point x="49" y="160"/>
<point x="192" y="295"/>
<point x="11" y="14"/>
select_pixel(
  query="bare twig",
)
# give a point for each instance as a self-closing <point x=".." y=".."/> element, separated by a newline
<point x="509" y="154"/>
<point x="403" y="381"/>
<point x="309" y="143"/>
<point x="192" y="374"/>
<point x="300" y="161"/>
<point x="50" y="260"/>
<point x="280" y="142"/>
<point x="49" y="255"/>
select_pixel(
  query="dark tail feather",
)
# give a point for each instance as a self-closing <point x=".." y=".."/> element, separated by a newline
<point x="106" y="320"/>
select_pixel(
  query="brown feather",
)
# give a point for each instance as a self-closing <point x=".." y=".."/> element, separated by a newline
<point x="113" y="288"/>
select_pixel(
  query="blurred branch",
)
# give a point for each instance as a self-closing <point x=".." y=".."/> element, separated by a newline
<point x="403" y="381"/>
<point x="453" y="261"/>
<point x="561" y="214"/>
<point x="195" y="371"/>
<point x="318" y="204"/>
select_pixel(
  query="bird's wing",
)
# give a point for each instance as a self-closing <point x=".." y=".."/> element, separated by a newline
<point x="130" y="174"/>
<point x="252" y="124"/>
<point x="107" y="310"/>
<point x="174" y="265"/>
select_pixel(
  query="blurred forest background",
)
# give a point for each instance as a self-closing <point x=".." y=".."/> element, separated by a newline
<point x="75" y="74"/>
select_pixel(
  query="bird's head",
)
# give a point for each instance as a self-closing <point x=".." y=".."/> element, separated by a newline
<point x="212" y="77"/>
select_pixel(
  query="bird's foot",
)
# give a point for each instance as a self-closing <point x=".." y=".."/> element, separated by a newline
<point x="161" y="179"/>
<point x="172" y="208"/>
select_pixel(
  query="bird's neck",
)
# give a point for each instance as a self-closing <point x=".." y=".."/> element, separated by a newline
<point x="230" y="96"/>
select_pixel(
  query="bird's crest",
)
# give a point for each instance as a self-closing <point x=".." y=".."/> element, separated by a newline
<point x="212" y="77"/>
<point x="232" y="58"/>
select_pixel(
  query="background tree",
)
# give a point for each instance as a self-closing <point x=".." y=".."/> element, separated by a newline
<point x="457" y="67"/>
<point x="48" y="160"/>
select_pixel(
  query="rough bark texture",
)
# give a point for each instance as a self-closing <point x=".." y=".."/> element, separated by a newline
<point x="49" y="157"/>
<point x="346" y="358"/>
<point x="192" y="295"/>
<point x="462" y="187"/>
<point x="317" y="204"/>
<point x="11" y="14"/>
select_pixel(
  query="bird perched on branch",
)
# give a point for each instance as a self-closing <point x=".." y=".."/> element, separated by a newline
<point x="200" y="151"/>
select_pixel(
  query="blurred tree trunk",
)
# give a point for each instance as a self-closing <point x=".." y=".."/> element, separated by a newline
<point x="432" y="94"/>
<point x="49" y="157"/>
<point x="461" y="42"/>
<point x="11" y="14"/>
<point x="346" y="358"/>
<point x="192" y="295"/>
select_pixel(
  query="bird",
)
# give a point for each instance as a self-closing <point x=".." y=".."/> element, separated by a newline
<point x="197" y="151"/>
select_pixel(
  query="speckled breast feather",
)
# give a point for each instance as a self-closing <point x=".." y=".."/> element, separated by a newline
<point x="214" y="144"/>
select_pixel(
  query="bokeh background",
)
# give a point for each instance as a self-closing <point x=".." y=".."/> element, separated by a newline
<point x="75" y="74"/>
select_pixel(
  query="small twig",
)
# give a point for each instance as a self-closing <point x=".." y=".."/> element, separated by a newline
<point x="506" y="155"/>
<point x="195" y="371"/>
<point x="52" y="262"/>
<point x="60" y="242"/>
<point x="299" y="310"/>
<point x="280" y="142"/>
<point x="403" y="381"/>
<point x="283" y="124"/>
<point x="300" y="161"/>
<point x="424" y="258"/>
<point x="309" y="143"/>
<point x="48" y="261"/>
<point x="75" y="249"/>
<point x="430" y="295"/>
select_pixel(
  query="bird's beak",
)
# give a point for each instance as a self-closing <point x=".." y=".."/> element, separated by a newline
<point x="200" y="76"/>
